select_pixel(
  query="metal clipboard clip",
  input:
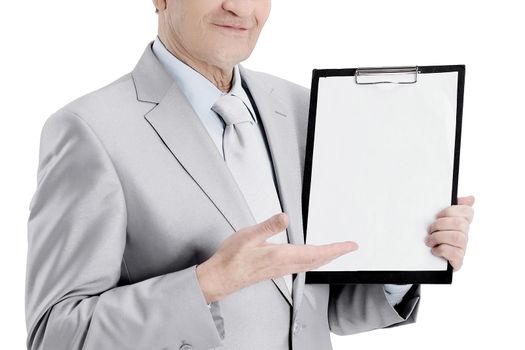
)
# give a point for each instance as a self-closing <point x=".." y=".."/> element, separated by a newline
<point x="386" y="75"/>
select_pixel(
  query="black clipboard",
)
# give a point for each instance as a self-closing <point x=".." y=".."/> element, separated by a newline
<point x="364" y="77"/>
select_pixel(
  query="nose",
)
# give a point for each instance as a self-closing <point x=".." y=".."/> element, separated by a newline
<point x="241" y="8"/>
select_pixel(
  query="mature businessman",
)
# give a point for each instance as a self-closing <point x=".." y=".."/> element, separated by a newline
<point x="153" y="226"/>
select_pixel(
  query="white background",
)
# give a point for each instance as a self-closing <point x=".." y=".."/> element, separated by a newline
<point x="56" y="50"/>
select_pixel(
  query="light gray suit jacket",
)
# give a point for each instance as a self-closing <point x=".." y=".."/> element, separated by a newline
<point x="132" y="193"/>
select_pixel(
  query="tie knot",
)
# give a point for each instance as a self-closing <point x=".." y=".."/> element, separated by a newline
<point x="232" y="109"/>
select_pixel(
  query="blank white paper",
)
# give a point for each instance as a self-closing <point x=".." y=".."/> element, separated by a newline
<point x="382" y="169"/>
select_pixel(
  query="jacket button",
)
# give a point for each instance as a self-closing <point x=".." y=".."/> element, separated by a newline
<point x="186" y="347"/>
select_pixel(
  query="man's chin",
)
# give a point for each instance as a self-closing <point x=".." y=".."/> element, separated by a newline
<point x="230" y="59"/>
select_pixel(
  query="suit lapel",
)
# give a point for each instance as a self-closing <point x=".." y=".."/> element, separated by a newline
<point x="186" y="138"/>
<point x="183" y="133"/>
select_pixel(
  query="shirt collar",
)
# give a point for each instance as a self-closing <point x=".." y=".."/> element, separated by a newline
<point x="200" y="92"/>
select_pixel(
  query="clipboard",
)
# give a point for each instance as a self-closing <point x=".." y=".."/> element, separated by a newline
<point x="382" y="159"/>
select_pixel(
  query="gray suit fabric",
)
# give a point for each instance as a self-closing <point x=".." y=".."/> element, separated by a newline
<point x="132" y="194"/>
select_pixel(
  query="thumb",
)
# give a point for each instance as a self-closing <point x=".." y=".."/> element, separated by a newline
<point x="265" y="229"/>
<point x="469" y="200"/>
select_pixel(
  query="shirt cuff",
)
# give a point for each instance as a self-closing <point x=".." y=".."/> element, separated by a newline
<point x="395" y="292"/>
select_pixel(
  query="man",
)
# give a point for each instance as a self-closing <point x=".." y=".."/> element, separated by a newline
<point x="149" y="228"/>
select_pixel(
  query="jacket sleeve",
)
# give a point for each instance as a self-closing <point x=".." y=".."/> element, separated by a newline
<point x="356" y="308"/>
<point x="76" y="240"/>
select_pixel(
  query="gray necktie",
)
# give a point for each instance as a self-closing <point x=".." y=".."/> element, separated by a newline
<point x="248" y="160"/>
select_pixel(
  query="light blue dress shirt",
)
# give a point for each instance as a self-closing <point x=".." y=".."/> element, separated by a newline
<point x="202" y="94"/>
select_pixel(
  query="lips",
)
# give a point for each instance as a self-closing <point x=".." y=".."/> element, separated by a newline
<point x="232" y="26"/>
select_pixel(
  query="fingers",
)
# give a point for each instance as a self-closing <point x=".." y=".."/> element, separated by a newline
<point x="454" y="238"/>
<point x="329" y="252"/>
<point x="306" y="257"/>
<point x="457" y="210"/>
<point x="454" y="223"/>
<point x="453" y="254"/>
<point x="448" y="234"/>
<point x="260" y="232"/>
<point x="469" y="200"/>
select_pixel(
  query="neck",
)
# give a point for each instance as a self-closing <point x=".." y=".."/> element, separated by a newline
<point x="221" y="77"/>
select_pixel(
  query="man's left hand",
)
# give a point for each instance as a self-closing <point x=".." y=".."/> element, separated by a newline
<point x="448" y="234"/>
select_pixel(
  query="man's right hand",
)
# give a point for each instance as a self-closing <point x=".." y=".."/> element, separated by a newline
<point x="246" y="258"/>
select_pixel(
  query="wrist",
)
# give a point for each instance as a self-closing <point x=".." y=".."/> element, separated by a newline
<point x="207" y="284"/>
